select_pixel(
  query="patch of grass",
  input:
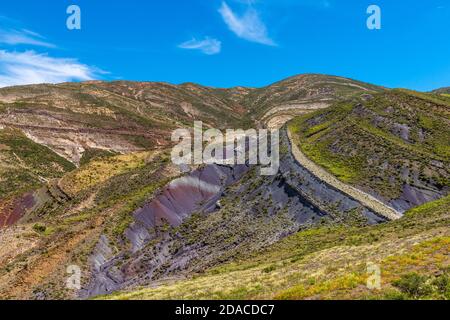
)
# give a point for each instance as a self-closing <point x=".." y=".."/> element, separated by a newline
<point x="101" y="169"/>
<point x="413" y="284"/>
<point x="94" y="154"/>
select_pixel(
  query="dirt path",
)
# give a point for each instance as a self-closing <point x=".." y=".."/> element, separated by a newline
<point x="365" y="199"/>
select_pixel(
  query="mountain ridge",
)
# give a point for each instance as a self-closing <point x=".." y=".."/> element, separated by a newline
<point x="86" y="178"/>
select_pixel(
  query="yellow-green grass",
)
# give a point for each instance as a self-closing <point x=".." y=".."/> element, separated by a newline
<point x="102" y="169"/>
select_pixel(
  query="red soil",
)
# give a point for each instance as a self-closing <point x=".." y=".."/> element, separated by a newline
<point x="12" y="210"/>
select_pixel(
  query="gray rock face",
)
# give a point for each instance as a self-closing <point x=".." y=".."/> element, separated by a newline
<point x="239" y="212"/>
<point x="413" y="196"/>
<point x="182" y="197"/>
<point x="100" y="260"/>
<point x="322" y="195"/>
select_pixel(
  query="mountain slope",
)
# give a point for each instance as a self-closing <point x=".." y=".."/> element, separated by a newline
<point x="99" y="190"/>
<point x="395" y="145"/>
<point x="78" y="121"/>
<point x="331" y="263"/>
<point x="442" y="91"/>
<point x="216" y="214"/>
<point x="126" y="116"/>
<point x="279" y="102"/>
<point x="25" y="165"/>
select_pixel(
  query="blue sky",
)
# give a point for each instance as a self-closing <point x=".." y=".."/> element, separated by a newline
<point x="225" y="43"/>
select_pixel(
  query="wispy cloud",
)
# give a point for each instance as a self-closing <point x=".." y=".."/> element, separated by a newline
<point x="29" y="67"/>
<point x="208" y="46"/>
<point x="248" y="26"/>
<point x="23" y="37"/>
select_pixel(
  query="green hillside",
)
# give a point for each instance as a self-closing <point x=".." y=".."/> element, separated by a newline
<point x="382" y="143"/>
<point x="26" y="165"/>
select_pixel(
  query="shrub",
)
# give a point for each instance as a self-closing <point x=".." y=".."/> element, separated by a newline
<point x="40" y="228"/>
<point x="442" y="285"/>
<point x="413" y="285"/>
<point x="269" y="269"/>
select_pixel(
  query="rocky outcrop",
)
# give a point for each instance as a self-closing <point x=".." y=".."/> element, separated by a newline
<point x="198" y="191"/>
<point x="364" y="198"/>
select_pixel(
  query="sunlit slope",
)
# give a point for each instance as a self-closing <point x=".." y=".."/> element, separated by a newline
<point x="97" y="189"/>
<point x="97" y="198"/>
<point x="24" y="164"/>
<point x="310" y="91"/>
<point x="443" y="91"/>
<point x="394" y="145"/>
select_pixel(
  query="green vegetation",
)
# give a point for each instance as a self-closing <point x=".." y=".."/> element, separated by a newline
<point x="309" y="87"/>
<point x="373" y="143"/>
<point x="376" y="139"/>
<point x="93" y="154"/>
<point x="101" y="169"/>
<point x="25" y="165"/>
<point x="40" y="228"/>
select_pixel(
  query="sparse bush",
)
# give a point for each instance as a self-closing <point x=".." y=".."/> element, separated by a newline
<point x="414" y="285"/>
<point x="39" y="228"/>
<point x="269" y="269"/>
<point x="442" y="285"/>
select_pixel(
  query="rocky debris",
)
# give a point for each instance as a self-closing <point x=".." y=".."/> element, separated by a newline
<point x="366" y="97"/>
<point x="401" y="130"/>
<point x="180" y="199"/>
<point x="198" y="191"/>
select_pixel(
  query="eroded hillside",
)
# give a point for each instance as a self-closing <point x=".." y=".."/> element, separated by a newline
<point x="87" y="181"/>
<point x="332" y="263"/>
<point x="394" y="145"/>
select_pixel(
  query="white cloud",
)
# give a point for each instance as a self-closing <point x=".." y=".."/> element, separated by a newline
<point x="208" y="46"/>
<point x="248" y="27"/>
<point x="23" y="37"/>
<point x="29" y="67"/>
